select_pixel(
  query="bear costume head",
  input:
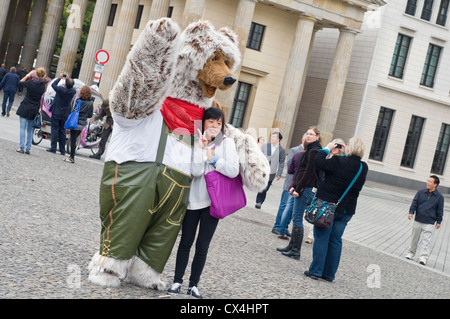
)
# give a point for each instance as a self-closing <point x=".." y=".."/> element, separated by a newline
<point x="206" y="61"/>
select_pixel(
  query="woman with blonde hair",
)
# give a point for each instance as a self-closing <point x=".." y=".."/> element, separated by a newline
<point x="339" y="173"/>
<point x="86" y="110"/>
<point x="29" y="108"/>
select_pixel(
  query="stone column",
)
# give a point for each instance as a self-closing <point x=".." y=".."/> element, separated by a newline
<point x="121" y="45"/>
<point x="50" y="35"/>
<point x="241" y="25"/>
<point x="335" y="86"/>
<point x="95" y="40"/>
<point x="4" y="7"/>
<point x="193" y="11"/>
<point x="159" y="9"/>
<point x="7" y="30"/>
<point x="17" y="33"/>
<point x="287" y="106"/>
<point x="72" y="37"/>
<point x="33" y="34"/>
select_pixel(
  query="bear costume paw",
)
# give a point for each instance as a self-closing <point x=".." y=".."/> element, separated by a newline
<point x="106" y="271"/>
<point x="142" y="275"/>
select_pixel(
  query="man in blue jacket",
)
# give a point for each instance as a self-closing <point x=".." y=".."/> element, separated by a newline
<point x="61" y="108"/>
<point x="9" y="85"/>
<point x="428" y="207"/>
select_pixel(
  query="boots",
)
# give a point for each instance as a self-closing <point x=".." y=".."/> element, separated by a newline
<point x="97" y="155"/>
<point x="295" y="242"/>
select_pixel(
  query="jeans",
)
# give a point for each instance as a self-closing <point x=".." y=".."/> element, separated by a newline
<point x="26" y="133"/>
<point x="300" y="206"/>
<point x="281" y="207"/>
<point x="286" y="217"/>
<point x="206" y="231"/>
<point x="73" y="142"/>
<point x="8" y="95"/>
<point x="328" y="247"/>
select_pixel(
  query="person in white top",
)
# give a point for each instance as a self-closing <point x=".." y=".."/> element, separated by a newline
<point x="212" y="151"/>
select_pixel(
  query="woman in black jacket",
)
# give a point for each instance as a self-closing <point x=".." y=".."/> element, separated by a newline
<point x="339" y="172"/>
<point x="86" y="110"/>
<point x="29" y="108"/>
<point x="305" y="181"/>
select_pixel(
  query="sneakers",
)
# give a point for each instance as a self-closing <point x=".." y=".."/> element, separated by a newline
<point x="409" y="256"/>
<point x="192" y="291"/>
<point x="422" y="261"/>
<point x="175" y="289"/>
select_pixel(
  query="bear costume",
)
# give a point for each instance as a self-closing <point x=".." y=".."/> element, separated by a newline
<point x="157" y="104"/>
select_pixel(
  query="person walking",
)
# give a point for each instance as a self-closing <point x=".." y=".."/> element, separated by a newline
<point x="30" y="106"/>
<point x="305" y="183"/>
<point x="86" y="109"/>
<point x="339" y="173"/>
<point x="61" y="108"/>
<point x="107" y="128"/>
<point x="276" y="156"/>
<point x="9" y="84"/>
<point x="285" y="196"/>
<point x="214" y="151"/>
<point x="427" y="209"/>
<point x="2" y="71"/>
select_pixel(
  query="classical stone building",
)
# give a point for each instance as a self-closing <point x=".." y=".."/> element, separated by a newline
<point x="396" y="96"/>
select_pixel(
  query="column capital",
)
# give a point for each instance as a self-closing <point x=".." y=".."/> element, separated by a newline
<point x="349" y="30"/>
<point x="305" y="16"/>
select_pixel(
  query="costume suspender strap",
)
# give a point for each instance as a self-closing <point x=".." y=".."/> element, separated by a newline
<point x="162" y="143"/>
<point x="351" y="184"/>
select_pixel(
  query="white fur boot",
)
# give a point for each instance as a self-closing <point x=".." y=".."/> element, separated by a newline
<point x="107" y="271"/>
<point x="142" y="275"/>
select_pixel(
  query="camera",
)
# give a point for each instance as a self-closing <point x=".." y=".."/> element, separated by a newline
<point x="64" y="75"/>
<point x="339" y="146"/>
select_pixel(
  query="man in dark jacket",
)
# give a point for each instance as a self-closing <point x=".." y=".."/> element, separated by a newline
<point x="61" y="108"/>
<point x="428" y="207"/>
<point x="9" y="85"/>
<point x="2" y="71"/>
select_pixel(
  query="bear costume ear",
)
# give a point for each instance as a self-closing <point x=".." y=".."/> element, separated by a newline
<point x="230" y="34"/>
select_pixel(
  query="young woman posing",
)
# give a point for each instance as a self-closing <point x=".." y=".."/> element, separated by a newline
<point x="212" y="151"/>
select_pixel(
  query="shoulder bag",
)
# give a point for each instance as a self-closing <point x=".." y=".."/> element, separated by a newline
<point x="320" y="213"/>
<point x="227" y="194"/>
<point x="72" y="120"/>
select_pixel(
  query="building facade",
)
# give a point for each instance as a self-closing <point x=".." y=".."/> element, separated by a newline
<point x="396" y="95"/>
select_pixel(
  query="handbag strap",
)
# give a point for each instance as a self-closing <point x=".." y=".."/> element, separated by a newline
<point x="351" y="184"/>
<point x="214" y="146"/>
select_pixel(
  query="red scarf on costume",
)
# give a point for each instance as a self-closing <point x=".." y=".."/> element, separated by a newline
<point x="179" y="114"/>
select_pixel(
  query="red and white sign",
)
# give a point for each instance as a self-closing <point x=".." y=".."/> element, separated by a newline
<point x="102" y="56"/>
<point x="97" y="77"/>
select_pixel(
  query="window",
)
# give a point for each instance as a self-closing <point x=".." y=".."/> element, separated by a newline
<point x="442" y="14"/>
<point x="427" y="10"/>
<point x="412" y="141"/>
<point x="169" y="12"/>
<point x="440" y="155"/>
<point x="112" y="14"/>
<point x="255" y="37"/>
<point x="430" y="67"/>
<point x="381" y="133"/>
<point x="399" y="57"/>
<point x="137" y="23"/>
<point x="240" y="104"/>
<point x="411" y="7"/>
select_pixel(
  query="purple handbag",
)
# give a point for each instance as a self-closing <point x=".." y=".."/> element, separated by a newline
<point x="227" y="194"/>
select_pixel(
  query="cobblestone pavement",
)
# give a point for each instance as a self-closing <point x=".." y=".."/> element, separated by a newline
<point x="50" y="230"/>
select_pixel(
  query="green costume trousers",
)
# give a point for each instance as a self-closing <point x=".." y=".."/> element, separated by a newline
<point x="142" y="206"/>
